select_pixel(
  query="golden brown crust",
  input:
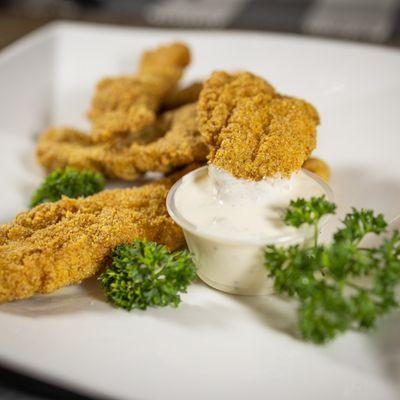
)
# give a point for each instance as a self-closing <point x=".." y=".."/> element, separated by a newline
<point x="172" y="142"/>
<point x="165" y="60"/>
<point x="181" y="145"/>
<point x="254" y="132"/>
<point x="128" y="103"/>
<point x="181" y="96"/>
<point x="61" y="243"/>
<point x="318" y="167"/>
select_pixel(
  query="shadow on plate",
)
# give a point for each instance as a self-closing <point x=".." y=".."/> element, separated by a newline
<point x="360" y="188"/>
<point x="69" y="300"/>
<point x="274" y="312"/>
<point x="387" y="344"/>
<point x="89" y="297"/>
<point x="208" y="314"/>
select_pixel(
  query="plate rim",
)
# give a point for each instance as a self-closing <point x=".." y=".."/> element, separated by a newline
<point x="55" y="28"/>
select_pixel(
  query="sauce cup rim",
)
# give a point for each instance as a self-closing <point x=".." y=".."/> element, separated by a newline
<point x="297" y="236"/>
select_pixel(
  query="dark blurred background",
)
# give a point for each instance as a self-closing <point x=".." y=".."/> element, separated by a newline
<point x="371" y="21"/>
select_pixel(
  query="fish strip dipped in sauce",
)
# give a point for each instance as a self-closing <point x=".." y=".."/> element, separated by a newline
<point x="231" y="209"/>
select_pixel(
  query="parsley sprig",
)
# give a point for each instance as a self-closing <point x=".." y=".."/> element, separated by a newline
<point x="326" y="278"/>
<point x="145" y="274"/>
<point x="68" y="182"/>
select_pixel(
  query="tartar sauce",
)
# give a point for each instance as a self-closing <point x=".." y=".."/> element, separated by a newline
<point x="219" y="204"/>
<point x="228" y="221"/>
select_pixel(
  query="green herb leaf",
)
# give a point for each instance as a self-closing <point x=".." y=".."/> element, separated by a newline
<point x="308" y="212"/>
<point x="325" y="279"/>
<point x="145" y="274"/>
<point x="359" y="223"/>
<point x="68" y="182"/>
<point x="324" y="314"/>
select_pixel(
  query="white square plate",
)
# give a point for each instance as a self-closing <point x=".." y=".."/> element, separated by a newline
<point x="214" y="346"/>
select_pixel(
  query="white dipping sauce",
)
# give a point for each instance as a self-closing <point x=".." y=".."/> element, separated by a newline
<point x="227" y="222"/>
<point x="219" y="204"/>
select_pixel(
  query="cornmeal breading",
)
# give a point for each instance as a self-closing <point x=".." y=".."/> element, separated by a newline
<point x="181" y="96"/>
<point x="252" y="131"/>
<point x="128" y="103"/>
<point x="171" y="142"/>
<point x="61" y="243"/>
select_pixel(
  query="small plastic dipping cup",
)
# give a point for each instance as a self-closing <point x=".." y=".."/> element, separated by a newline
<point x="234" y="265"/>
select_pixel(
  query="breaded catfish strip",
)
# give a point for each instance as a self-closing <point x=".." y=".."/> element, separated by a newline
<point x="318" y="167"/>
<point x="58" y="244"/>
<point x="182" y="143"/>
<point x="254" y="132"/>
<point x="181" y="96"/>
<point x="128" y="103"/>
<point x="172" y="142"/>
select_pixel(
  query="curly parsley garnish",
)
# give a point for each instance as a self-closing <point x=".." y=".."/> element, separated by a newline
<point x="145" y="274"/>
<point x="325" y="278"/>
<point x="68" y="182"/>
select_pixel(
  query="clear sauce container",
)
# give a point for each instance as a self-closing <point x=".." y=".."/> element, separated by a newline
<point x="231" y="263"/>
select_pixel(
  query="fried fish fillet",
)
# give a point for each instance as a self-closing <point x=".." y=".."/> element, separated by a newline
<point x="61" y="243"/>
<point x="181" y="96"/>
<point x="128" y="103"/>
<point x="171" y="142"/>
<point x="318" y="167"/>
<point x="254" y="132"/>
